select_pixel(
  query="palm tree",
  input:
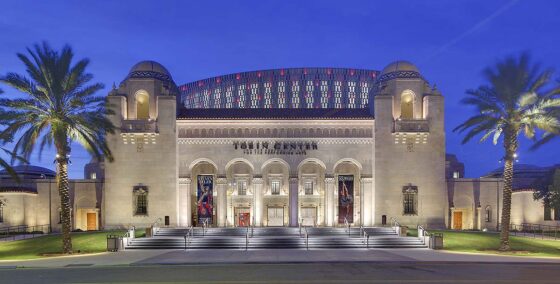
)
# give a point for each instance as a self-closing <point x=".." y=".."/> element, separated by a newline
<point x="5" y="164"/>
<point x="516" y="99"/>
<point x="59" y="107"/>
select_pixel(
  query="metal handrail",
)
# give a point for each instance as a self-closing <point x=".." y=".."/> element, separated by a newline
<point x="365" y="239"/>
<point x="299" y="225"/>
<point x="306" y="238"/>
<point x="347" y="224"/>
<point x="394" y="224"/>
<point x="155" y="226"/>
<point x="247" y="239"/>
<point x="423" y="233"/>
<point x="188" y="237"/>
<point x="535" y="230"/>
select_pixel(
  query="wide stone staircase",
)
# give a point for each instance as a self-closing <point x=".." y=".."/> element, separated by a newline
<point x="275" y="238"/>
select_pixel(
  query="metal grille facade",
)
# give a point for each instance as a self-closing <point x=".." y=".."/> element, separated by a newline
<point x="301" y="88"/>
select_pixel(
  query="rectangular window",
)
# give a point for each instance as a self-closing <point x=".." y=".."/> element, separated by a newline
<point x="455" y="174"/>
<point x="275" y="187"/>
<point x="410" y="198"/>
<point x="308" y="187"/>
<point x="1" y="214"/>
<point x="488" y="214"/>
<point x="93" y="175"/>
<point x="142" y="204"/>
<point x="556" y="214"/>
<point x="242" y="187"/>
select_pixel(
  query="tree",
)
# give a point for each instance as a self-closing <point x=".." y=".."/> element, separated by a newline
<point x="5" y="164"/>
<point x="59" y="107"/>
<point x="516" y="99"/>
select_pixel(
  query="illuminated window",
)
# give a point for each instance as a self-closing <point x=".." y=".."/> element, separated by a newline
<point x="281" y="94"/>
<point x="267" y="95"/>
<point x="242" y="187"/>
<point x="205" y="98"/>
<point x="241" y="96"/>
<point x="275" y="187"/>
<point x="547" y="213"/>
<point x="93" y="176"/>
<point x="410" y="200"/>
<point x="351" y="95"/>
<point x="142" y="105"/>
<point x="488" y="214"/>
<point x="295" y="94"/>
<point x="364" y="94"/>
<point x="324" y="94"/>
<point x="309" y="94"/>
<point x="229" y="97"/>
<point x="338" y="94"/>
<point x="308" y="187"/>
<point x="254" y="89"/>
<point x="407" y="101"/>
<point x="217" y="97"/>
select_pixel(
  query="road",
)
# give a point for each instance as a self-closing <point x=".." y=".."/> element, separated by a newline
<point x="347" y="272"/>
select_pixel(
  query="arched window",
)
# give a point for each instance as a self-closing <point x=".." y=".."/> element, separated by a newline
<point x="140" y="199"/>
<point x="488" y="214"/>
<point x="410" y="200"/>
<point x="142" y="105"/>
<point x="407" y="103"/>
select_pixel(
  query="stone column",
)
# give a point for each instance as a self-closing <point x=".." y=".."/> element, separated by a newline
<point x="367" y="202"/>
<point x="221" y="187"/>
<point x="185" y="216"/>
<point x="258" y="201"/>
<point x="329" y="202"/>
<point x="294" y="192"/>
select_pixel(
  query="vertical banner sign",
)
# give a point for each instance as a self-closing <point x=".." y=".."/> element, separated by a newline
<point x="205" y="199"/>
<point x="345" y="199"/>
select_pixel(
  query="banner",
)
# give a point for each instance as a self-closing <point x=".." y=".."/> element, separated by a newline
<point x="345" y="199"/>
<point x="205" y="199"/>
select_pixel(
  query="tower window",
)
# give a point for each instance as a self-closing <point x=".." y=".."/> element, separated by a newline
<point x="275" y="187"/>
<point x="142" y="105"/>
<point x="140" y="194"/>
<point x="407" y="102"/>
<point x="308" y="187"/>
<point x="410" y="200"/>
<point x="93" y="175"/>
<point x="242" y="187"/>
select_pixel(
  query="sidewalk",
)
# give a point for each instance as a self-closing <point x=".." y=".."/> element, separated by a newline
<point x="193" y="257"/>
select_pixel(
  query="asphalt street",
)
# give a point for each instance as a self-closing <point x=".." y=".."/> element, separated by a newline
<point x="327" y="272"/>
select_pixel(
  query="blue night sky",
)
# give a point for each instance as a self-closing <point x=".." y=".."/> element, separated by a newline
<point x="449" y="41"/>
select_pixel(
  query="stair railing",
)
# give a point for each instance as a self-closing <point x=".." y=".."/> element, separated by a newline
<point x="247" y="239"/>
<point x="395" y="224"/>
<point x="299" y="225"/>
<point x="155" y="226"/>
<point x="423" y="234"/>
<point x="306" y="238"/>
<point x="347" y="225"/>
<point x="188" y="237"/>
<point x="365" y="239"/>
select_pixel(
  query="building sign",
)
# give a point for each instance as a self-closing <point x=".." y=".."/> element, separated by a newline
<point x="275" y="147"/>
<point x="204" y="204"/>
<point x="345" y="199"/>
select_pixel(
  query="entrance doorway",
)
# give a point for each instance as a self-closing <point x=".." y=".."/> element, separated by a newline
<point x="275" y="216"/>
<point x="457" y="220"/>
<point x="308" y="216"/>
<point x="91" y="221"/>
<point x="243" y="217"/>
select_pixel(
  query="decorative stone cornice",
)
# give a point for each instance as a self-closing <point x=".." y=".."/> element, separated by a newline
<point x="213" y="141"/>
<point x="367" y="180"/>
<point x="257" y="180"/>
<point x="329" y="180"/>
<point x="184" y="180"/>
<point x="221" y="181"/>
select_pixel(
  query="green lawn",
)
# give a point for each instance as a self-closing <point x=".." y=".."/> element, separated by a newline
<point x="481" y="242"/>
<point x="87" y="242"/>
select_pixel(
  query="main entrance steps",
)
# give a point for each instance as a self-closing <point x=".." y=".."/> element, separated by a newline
<point x="275" y="238"/>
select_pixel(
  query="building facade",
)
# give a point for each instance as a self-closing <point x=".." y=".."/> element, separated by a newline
<point x="282" y="147"/>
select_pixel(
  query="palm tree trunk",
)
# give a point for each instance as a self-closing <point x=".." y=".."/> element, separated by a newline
<point x="64" y="192"/>
<point x="510" y="145"/>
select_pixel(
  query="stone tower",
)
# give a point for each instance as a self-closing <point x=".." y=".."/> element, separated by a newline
<point x="409" y="149"/>
<point x="141" y="184"/>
